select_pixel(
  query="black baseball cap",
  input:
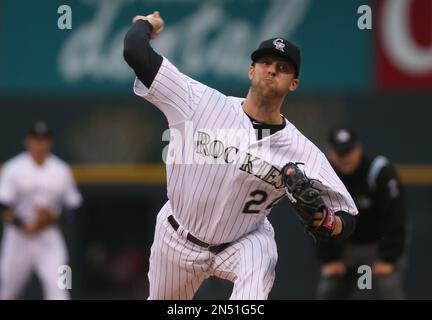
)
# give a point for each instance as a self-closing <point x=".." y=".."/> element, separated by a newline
<point x="343" y="139"/>
<point x="39" y="129"/>
<point x="280" y="47"/>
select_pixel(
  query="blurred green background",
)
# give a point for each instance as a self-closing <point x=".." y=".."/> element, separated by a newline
<point x="379" y="81"/>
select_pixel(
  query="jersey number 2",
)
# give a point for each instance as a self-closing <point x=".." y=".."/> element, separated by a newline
<point x="258" y="197"/>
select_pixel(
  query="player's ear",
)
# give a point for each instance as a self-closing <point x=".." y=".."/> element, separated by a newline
<point x="251" y="70"/>
<point x="294" y="84"/>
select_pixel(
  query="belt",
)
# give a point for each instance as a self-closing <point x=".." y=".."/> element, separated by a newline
<point x="214" y="249"/>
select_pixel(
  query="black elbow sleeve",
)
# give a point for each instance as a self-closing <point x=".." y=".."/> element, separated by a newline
<point x="138" y="53"/>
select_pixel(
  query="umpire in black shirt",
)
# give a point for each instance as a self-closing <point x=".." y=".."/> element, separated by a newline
<point x="379" y="239"/>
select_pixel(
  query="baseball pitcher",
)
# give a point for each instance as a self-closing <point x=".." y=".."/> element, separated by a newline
<point x="237" y="159"/>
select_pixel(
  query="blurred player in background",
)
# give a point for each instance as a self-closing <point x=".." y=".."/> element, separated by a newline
<point x="379" y="239"/>
<point x="35" y="186"/>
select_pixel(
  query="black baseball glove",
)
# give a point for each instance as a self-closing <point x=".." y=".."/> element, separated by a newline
<point x="318" y="220"/>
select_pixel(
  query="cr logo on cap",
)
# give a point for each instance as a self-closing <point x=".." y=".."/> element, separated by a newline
<point x="279" y="45"/>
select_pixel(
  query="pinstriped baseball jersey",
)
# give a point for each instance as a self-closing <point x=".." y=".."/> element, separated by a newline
<point x="224" y="184"/>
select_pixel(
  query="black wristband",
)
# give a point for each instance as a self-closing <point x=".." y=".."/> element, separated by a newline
<point x="348" y="224"/>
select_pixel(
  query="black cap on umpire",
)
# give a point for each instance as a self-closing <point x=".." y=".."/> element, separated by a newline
<point x="343" y="139"/>
<point x="282" y="48"/>
<point x="39" y="129"/>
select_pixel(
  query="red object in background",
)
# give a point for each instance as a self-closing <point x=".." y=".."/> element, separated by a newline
<point x="403" y="44"/>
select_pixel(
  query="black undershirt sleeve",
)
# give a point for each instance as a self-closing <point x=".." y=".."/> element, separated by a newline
<point x="138" y="53"/>
<point x="331" y="250"/>
<point x="348" y="224"/>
